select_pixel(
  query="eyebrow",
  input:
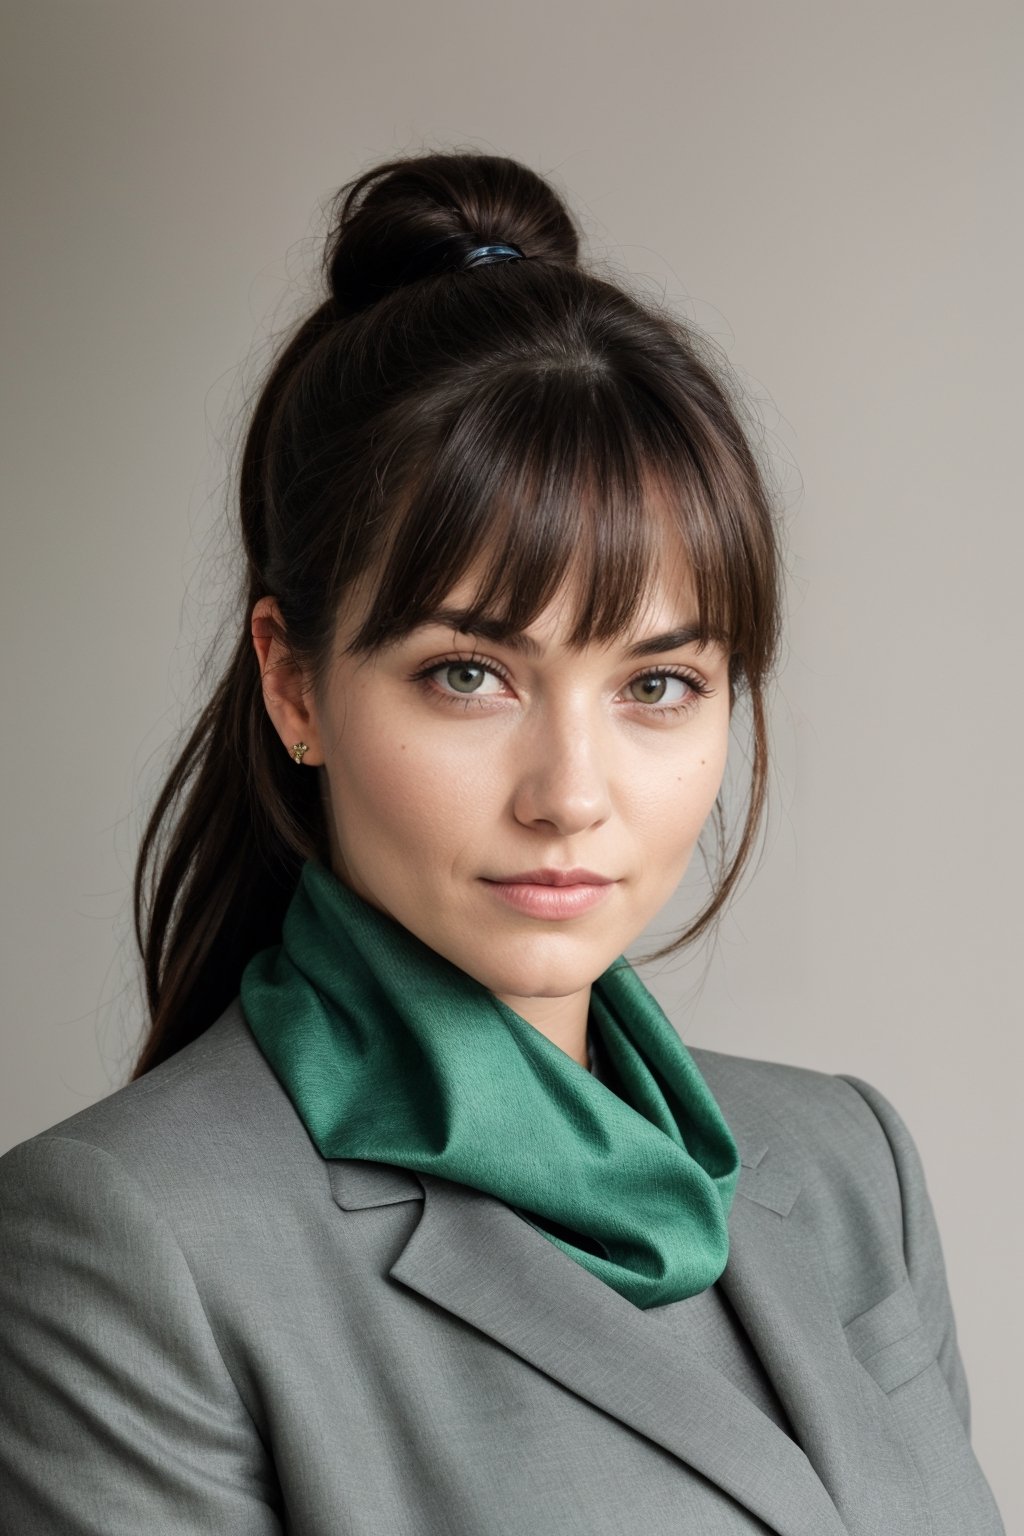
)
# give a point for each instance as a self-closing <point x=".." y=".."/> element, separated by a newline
<point x="466" y="622"/>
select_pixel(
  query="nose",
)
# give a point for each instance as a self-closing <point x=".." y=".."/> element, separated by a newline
<point x="562" y="778"/>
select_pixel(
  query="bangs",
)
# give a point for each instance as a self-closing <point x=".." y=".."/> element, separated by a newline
<point x="548" y="478"/>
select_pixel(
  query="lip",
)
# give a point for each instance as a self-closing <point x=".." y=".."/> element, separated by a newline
<point x="553" y="877"/>
<point x="553" y="893"/>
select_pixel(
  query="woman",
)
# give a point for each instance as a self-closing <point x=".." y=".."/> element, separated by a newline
<point x="417" y="1215"/>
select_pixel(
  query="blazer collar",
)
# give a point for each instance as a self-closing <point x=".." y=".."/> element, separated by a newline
<point x="472" y="1255"/>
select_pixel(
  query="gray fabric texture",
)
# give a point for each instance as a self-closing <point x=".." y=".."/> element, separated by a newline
<point x="706" y="1320"/>
<point x="206" y="1327"/>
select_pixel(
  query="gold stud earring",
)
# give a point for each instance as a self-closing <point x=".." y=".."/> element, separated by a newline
<point x="299" y="751"/>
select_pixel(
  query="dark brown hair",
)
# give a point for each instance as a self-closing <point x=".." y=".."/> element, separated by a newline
<point x="428" y="418"/>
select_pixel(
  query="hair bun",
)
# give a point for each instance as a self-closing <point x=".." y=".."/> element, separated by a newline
<point x="423" y="215"/>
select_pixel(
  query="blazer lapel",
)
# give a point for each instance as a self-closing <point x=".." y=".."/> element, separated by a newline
<point x="474" y="1256"/>
<point x="777" y="1282"/>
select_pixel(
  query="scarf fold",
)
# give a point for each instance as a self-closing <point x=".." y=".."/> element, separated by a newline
<point x="391" y="1053"/>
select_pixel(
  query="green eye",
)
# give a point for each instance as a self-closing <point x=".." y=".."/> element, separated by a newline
<point x="652" y="686"/>
<point x="648" y="690"/>
<point x="463" y="676"/>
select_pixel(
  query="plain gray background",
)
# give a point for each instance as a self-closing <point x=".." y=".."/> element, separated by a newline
<point x="830" y="191"/>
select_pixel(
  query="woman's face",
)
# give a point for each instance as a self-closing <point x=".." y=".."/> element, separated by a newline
<point x="457" y="765"/>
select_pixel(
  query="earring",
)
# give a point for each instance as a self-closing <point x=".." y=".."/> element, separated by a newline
<point x="299" y="751"/>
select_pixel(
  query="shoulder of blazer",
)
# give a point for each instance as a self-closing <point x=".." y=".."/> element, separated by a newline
<point x="862" y="1189"/>
<point x="830" y="1125"/>
<point x="202" y="1129"/>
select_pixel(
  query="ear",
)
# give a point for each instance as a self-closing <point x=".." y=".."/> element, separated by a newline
<point x="287" y="693"/>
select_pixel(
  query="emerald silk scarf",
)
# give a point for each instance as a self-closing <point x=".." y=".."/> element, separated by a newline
<point x="391" y="1053"/>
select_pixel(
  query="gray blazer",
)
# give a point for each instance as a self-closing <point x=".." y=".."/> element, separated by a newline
<point x="206" y="1327"/>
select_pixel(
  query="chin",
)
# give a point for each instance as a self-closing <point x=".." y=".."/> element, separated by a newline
<point x="550" y="970"/>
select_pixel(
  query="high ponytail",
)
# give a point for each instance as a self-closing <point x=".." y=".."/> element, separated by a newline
<point x="428" y="415"/>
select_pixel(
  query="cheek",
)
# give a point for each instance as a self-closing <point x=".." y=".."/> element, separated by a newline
<point x="704" y="775"/>
<point x="676" y="792"/>
<point x="400" y="781"/>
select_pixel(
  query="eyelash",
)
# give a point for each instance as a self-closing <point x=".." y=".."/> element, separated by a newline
<point x="699" y="688"/>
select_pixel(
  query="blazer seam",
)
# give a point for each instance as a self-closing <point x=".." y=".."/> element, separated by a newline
<point x="854" y="1082"/>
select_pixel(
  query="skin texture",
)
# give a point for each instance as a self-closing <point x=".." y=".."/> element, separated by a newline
<point x="566" y="759"/>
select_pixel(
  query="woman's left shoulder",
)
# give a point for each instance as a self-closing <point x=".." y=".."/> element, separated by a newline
<point x="848" y="1167"/>
<point x="835" y="1144"/>
<point x="837" y="1122"/>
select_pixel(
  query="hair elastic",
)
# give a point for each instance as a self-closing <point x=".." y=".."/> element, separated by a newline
<point x="483" y="254"/>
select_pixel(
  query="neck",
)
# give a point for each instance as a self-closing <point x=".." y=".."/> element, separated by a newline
<point x="563" y="1020"/>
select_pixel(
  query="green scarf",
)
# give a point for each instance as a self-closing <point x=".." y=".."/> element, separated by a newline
<point x="393" y="1054"/>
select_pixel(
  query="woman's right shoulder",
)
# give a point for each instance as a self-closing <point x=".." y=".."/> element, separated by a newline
<point x="113" y="1370"/>
<point x="211" y="1118"/>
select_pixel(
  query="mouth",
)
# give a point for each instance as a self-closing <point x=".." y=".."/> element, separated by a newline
<point x="554" y="877"/>
<point x="546" y="899"/>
